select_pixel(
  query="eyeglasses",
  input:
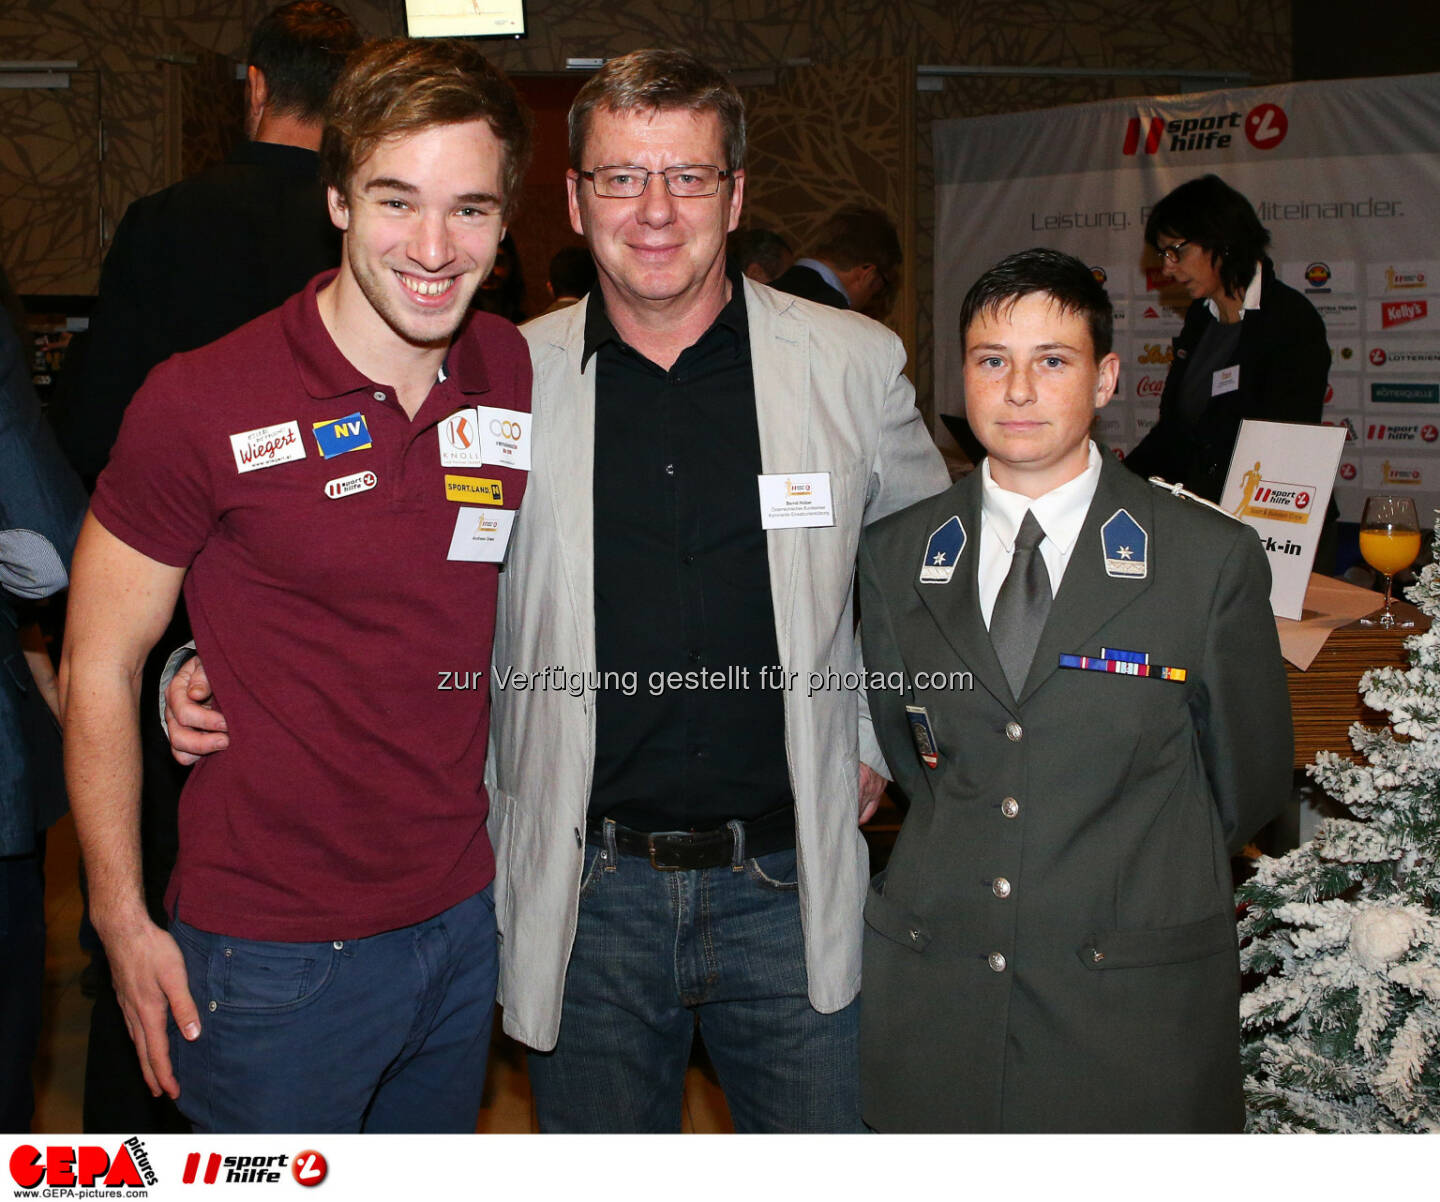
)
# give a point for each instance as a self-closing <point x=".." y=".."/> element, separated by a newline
<point x="1171" y="253"/>
<point x="684" y="179"/>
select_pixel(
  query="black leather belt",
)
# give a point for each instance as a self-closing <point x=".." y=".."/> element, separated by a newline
<point x="675" y="851"/>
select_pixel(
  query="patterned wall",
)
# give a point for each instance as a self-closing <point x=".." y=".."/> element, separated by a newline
<point x="116" y="41"/>
<point x="851" y="147"/>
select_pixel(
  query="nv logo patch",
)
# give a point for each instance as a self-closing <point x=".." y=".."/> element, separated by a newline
<point x="341" y="434"/>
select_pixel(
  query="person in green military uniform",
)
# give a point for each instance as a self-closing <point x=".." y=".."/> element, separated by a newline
<point x="1053" y="945"/>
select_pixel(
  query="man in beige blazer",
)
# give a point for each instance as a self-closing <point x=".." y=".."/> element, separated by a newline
<point x="608" y="997"/>
<point x="679" y="763"/>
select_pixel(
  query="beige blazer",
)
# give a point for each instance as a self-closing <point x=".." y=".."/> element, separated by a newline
<point x="829" y="397"/>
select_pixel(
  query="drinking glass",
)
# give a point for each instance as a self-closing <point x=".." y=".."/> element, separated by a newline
<point x="1389" y="543"/>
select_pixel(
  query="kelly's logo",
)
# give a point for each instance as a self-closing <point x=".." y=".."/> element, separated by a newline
<point x="1397" y="313"/>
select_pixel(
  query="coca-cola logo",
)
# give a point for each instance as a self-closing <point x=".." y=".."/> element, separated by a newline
<point x="1150" y="386"/>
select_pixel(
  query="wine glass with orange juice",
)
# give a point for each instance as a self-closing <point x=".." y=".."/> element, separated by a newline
<point x="1389" y="543"/>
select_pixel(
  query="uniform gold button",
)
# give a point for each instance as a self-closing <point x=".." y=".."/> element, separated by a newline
<point x="997" y="962"/>
<point x="1010" y="807"/>
<point x="1000" y="887"/>
<point x="1013" y="731"/>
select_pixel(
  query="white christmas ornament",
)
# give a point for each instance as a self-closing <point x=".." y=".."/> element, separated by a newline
<point x="1380" y="936"/>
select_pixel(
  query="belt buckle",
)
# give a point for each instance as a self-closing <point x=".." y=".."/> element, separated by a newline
<point x="650" y="843"/>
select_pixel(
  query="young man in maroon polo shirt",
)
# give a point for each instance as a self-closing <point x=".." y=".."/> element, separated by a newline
<point x="321" y="483"/>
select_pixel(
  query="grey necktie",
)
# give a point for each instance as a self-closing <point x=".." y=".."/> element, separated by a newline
<point x="1022" y="605"/>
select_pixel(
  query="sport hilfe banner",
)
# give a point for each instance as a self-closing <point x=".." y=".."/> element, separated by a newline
<point x="1345" y="174"/>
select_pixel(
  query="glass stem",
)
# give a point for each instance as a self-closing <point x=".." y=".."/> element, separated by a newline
<point x="1389" y="584"/>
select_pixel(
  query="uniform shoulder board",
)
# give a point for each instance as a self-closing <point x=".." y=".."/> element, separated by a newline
<point x="1179" y="490"/>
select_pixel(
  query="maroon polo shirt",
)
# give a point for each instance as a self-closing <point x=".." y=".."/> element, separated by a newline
<point x="350" y="800"/>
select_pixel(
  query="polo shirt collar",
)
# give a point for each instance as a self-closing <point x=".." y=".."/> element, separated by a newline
<point x="325" y="372"/>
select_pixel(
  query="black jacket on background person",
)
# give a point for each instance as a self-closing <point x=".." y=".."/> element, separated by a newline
<point x="188" y="265"/>
<point x="1284" y="362"/>
<point x="809" y="284"/>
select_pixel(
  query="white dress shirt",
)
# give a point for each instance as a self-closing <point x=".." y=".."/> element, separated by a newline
<point x="1060" y="512"/>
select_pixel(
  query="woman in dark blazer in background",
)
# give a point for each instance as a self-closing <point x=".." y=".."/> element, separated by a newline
<point x="1251" y="347"/>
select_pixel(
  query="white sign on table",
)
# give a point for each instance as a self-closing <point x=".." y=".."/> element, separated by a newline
<point x="1279" y="482"/>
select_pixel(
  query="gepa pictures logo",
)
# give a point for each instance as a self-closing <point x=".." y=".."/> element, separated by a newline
<point x="86" y="1167"/>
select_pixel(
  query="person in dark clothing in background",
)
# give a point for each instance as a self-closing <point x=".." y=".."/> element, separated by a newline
<point x="1251" y="347"/>
<point x="760" y="253"/>
<point x="188" y="265"/>
<point x="41" y="504"/>
<point x="571" y="276"/>
<point x="855" y="263"/>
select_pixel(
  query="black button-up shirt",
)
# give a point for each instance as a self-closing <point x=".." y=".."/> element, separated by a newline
<point x="682" y="586"/>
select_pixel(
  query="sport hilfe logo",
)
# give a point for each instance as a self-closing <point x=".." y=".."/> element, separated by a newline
<point x="1264" y="126"/>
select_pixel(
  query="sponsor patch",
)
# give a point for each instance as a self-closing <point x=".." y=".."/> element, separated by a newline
<point x="267" y="446"/>
<point x="474" y="490"/>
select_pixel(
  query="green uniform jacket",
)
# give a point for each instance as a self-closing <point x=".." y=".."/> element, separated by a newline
<point x="1053" y="945"/>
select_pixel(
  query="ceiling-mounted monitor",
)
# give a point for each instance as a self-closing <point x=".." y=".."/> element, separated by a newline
<point x="465" y="18"/>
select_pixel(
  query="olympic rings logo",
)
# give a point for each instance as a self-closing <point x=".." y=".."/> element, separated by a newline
<point x="506" y="429"/>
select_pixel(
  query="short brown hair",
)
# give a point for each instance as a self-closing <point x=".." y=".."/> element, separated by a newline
<point x="652" y="80"/>
<point x="854" y="235"/>
<point x="301" y="48"/>
<point x="399" y="86"/>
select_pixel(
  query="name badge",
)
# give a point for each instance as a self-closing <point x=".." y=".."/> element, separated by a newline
<point x="342" y="434"/>
<point x="460" y="440"/>
<point x="795" y="500"/>
<point x="1227" y="379"/>
<point x="505" y="437"/>
<point x="266" y="446"/>
<point x="481" y="535"/>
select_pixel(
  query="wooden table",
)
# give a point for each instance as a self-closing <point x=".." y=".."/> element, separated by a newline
<point x="1325" y="699"/>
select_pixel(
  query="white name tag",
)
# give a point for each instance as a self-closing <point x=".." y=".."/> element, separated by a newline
<point x="1227" y="379"/>
<point x="793" y="500"/>
<point x="267" y="446"/>
<point x="460" y="440"/>
<point x="481" y="535"/>
<point x="505" y="437"/>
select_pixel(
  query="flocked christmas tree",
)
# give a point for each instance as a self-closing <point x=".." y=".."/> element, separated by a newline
<point x="1343" y="1031"/>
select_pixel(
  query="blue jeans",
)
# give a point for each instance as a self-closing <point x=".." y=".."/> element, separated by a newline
<point x="386" y="1033"/>
<point x="655" y="951"/>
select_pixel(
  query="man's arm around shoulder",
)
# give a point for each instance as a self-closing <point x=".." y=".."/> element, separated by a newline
<point x="120" y="602"/>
